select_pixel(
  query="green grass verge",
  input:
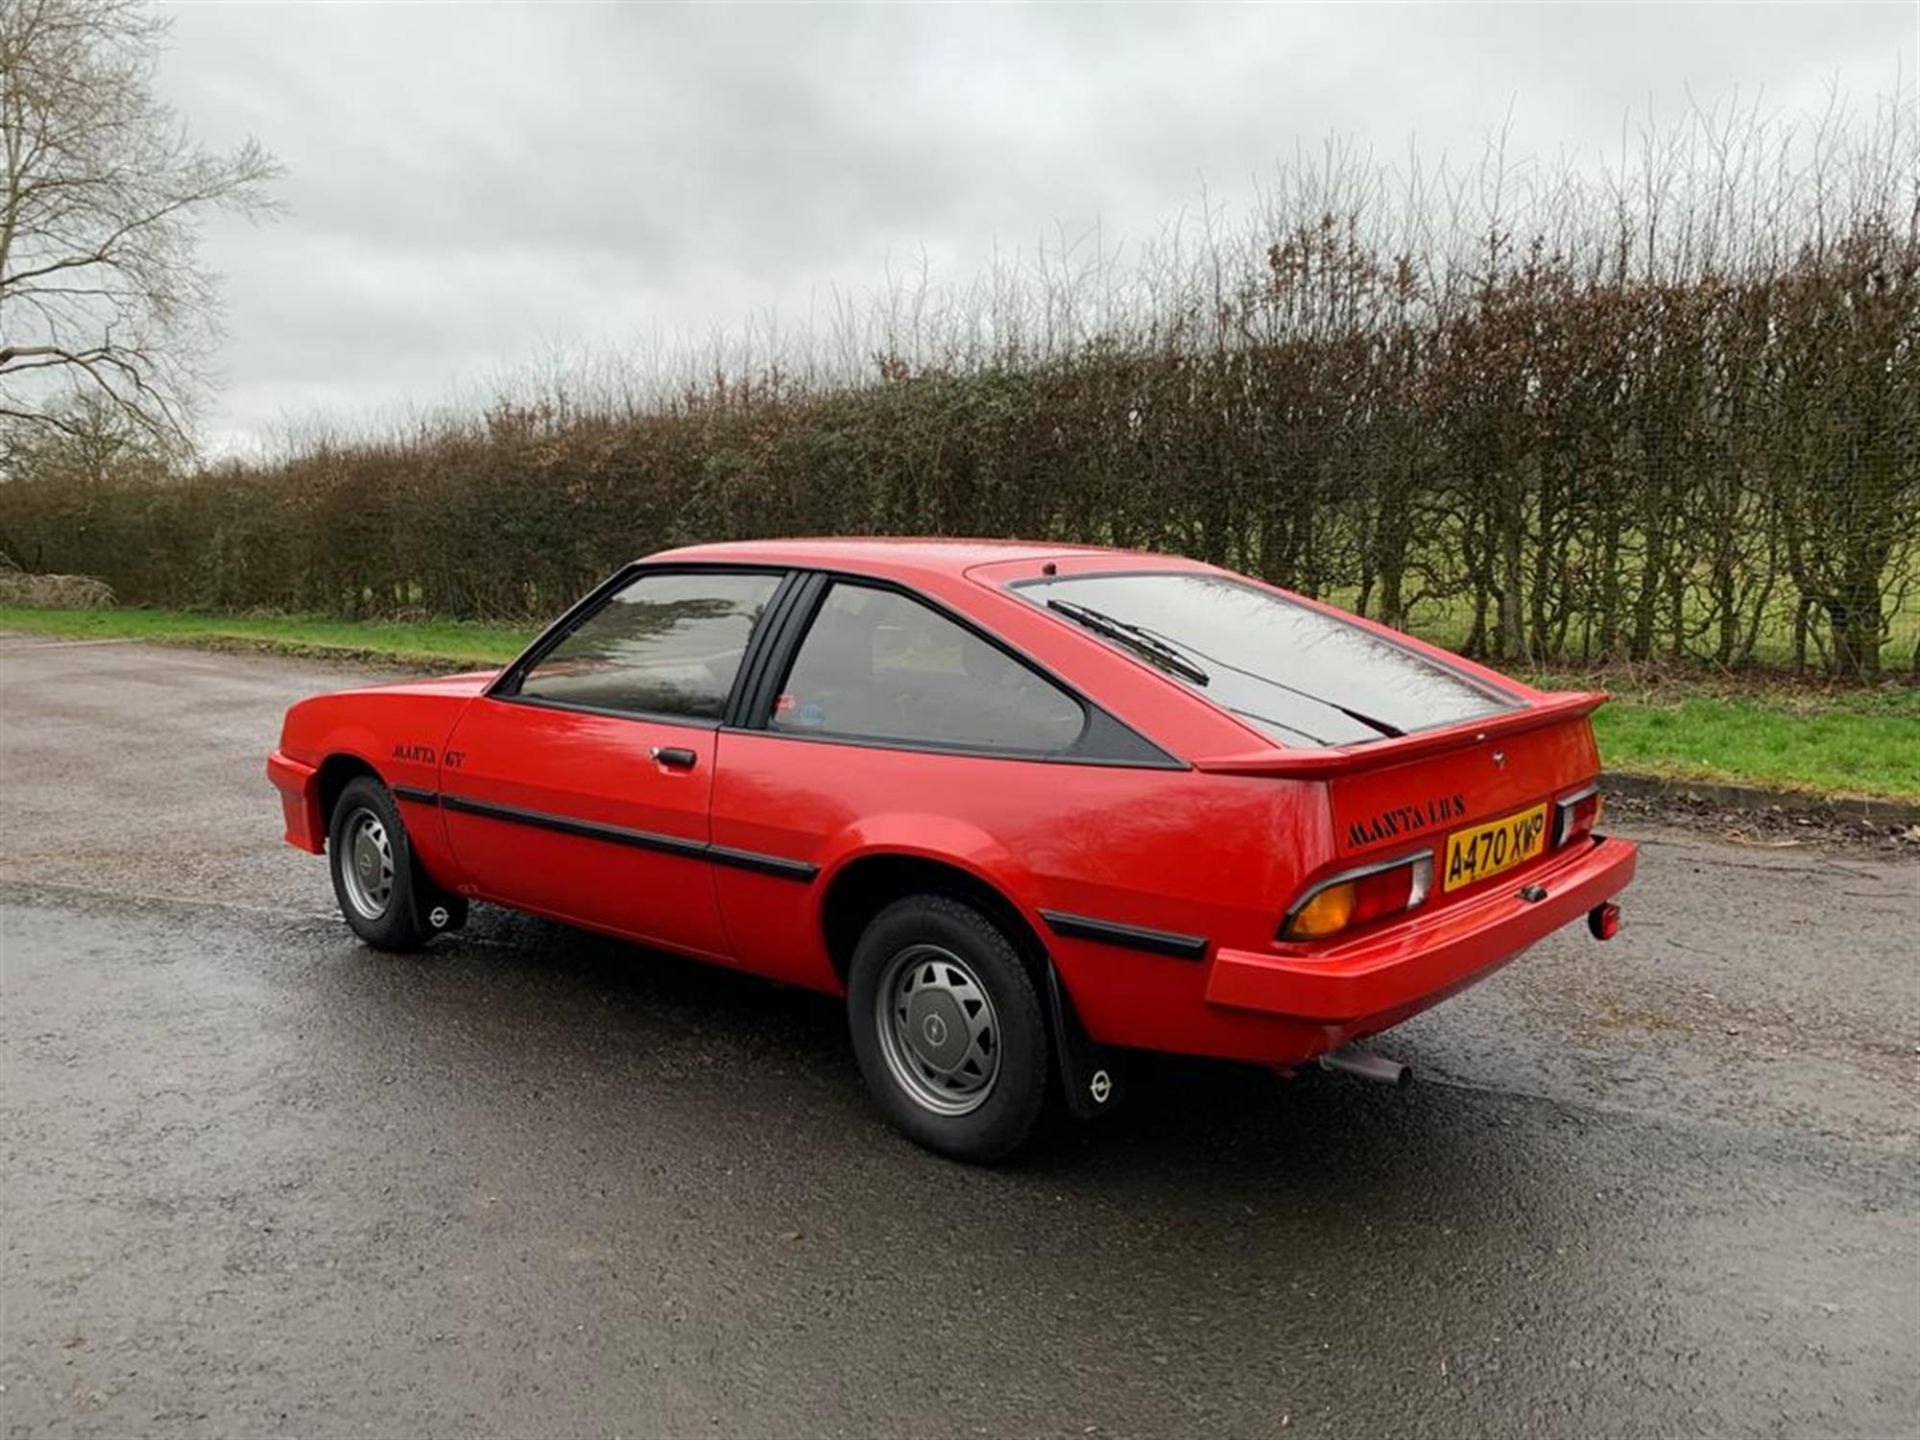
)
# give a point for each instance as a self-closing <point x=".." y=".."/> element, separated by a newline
<point x="1779" y="736"/>
<point x="427" y="643"/>
<point x="1823" y="742"/>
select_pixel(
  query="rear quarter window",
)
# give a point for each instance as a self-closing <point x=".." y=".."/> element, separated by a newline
<point x="877" y="665"/>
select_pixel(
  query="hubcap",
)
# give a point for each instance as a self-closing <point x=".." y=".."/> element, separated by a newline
<point x="938" y="1030"/>
<point x="366" y="864"/>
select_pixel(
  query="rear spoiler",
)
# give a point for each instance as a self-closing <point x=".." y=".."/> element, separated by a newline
<point x="1346" y="760"/>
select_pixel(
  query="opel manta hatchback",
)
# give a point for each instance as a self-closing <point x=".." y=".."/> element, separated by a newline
<point x="1027" y="807"/>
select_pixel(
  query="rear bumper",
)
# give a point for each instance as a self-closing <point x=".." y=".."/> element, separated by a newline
<point x="1375" y="981"/>
<point x="299" y="787"/>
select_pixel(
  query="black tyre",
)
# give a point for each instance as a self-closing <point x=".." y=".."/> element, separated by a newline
<point x="373" y="867"/>
<point x="948" y="1028"/>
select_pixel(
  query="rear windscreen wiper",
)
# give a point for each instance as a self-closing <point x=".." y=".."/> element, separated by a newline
<point x="1133" y="637"/>
<point x="1382" y="727"/>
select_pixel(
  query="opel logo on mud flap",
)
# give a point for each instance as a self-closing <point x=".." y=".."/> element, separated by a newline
<point x="935" y="1029"/>
<point x="1100" y="1087"/>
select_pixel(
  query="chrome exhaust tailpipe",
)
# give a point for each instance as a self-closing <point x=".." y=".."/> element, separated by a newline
<point x="1368" y="1067"/>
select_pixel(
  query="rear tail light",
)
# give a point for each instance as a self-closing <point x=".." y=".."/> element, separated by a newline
<point x="1576" y="816"/>
<point x="1359" y="897"/>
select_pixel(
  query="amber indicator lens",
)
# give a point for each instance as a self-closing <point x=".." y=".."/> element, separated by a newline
<point x="1327" y="913"/>
<point x="1346" y="903"/>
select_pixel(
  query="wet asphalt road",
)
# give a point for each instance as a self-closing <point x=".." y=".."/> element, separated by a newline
<point x="260" y="1180"/>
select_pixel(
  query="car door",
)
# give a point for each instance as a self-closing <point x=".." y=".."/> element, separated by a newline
<point x="579" y="785"/>
<point x="876" y="706"/>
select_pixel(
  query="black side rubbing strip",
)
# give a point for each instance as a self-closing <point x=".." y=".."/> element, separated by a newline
<point x="587" y="829"/>
<point x="1130" y="937"/>
<point x="765" y="864"/>
<point x="418" y="797"/>
<point x="777" y="865"/>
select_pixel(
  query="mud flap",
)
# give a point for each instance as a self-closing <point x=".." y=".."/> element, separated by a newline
<point x="435" y="910"/>
<point x="1090" y="1074"/>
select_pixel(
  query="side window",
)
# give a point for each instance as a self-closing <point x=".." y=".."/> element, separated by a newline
<point x="668" y="644"/>
<point x="877" y="665"/>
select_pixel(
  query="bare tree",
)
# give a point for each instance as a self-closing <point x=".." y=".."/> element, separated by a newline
<point x="101" y="289"/>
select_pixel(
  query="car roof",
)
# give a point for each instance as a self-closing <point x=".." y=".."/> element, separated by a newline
<point x="884" y="554"/>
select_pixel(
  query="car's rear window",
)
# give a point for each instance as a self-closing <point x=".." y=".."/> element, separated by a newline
<point x="1298" y="675"/>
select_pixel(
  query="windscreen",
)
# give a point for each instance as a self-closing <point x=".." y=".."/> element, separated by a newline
<point x="1299" y="676"/>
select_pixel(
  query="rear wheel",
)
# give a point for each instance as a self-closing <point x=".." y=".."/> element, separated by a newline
<point x="373" y="867"/>
<point x="948" y="1028"/>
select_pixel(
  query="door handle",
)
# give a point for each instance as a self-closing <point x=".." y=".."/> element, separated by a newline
<point x="677" y="757"/>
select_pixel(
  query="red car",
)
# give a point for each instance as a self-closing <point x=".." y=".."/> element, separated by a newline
<point x="1028" y="807"/>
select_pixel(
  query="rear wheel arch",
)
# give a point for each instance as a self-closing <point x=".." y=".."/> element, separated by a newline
<point x="1090" y="1075"/>
<point x="864" y="887"/>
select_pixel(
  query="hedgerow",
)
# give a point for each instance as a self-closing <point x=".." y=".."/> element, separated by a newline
<point x="1668" y="410"/>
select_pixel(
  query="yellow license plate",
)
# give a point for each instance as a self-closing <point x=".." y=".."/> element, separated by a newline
<point x="1499" y="845"/>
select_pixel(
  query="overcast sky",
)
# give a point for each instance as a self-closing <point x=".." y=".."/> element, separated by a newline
<point x="471" y="186"/>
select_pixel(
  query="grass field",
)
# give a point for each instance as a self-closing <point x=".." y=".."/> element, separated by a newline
<point x="425" y="643"/>
<point x="1773" y="736"/>
<point x="1777" y="735"/>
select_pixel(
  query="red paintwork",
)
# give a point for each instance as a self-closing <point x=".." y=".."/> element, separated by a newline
<point x="589" y="767"/>
<point x="1218" y="849"/>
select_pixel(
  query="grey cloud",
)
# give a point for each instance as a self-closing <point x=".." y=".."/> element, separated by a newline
<point x="469" y="183"/>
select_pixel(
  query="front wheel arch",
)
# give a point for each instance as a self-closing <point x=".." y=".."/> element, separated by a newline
<point x="336" y="773"/>
<point x="366" y="805"/>
<point x="435" y="907"/>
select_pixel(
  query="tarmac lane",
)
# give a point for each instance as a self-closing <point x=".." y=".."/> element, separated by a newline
<point x="260" y="1179"/>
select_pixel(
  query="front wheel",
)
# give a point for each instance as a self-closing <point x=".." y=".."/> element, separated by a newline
<point x="373" y="867"/>
<point x="948" y="1028"/>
